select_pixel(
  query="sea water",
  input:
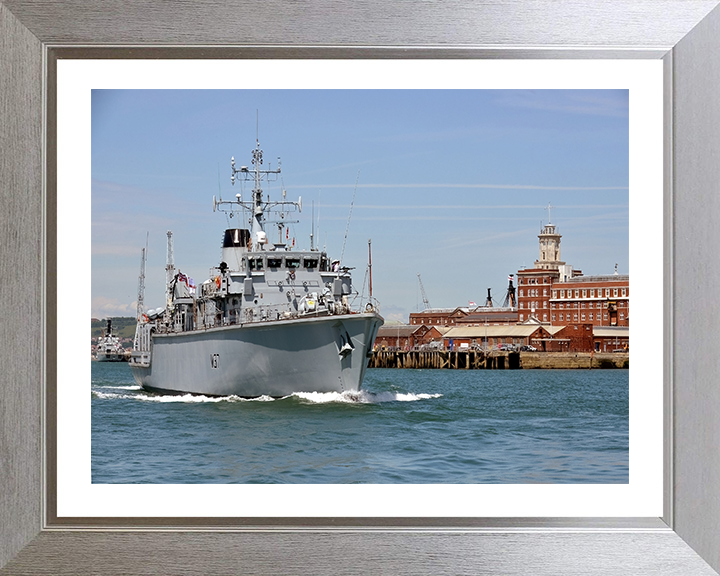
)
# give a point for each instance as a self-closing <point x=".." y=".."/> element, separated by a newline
<point x="404" y="426"/>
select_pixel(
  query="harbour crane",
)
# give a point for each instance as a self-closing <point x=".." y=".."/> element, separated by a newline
<point x="422" y="291"/>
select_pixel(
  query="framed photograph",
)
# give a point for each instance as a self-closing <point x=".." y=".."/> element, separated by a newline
<point x="359" y="92"/>
<point x="414" y="531"/>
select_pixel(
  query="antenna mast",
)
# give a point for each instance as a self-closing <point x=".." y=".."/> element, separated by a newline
<point x="352" y="203"/>
<point x="141" y="295"/>
<point x="169" y="267"/>
<point x="257" y="207"/>
<point x="370" y="267"/>
<point x="141" y="285"/>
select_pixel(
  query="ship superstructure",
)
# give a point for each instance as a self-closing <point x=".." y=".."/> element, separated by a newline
<point x="269" y="320"/>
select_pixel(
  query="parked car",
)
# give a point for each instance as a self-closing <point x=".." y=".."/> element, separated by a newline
<point x="528" y="348"/>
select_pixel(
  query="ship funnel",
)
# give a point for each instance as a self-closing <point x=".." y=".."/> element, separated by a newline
<point x="235" y="244"/>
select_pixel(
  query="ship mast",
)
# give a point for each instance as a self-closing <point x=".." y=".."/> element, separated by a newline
<point x="258" y="207"/>
<point x="169" y="268"/>
<point x="141" y="288"/>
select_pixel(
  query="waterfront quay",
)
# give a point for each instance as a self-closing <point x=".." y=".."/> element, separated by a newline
<point x="496" y="360"/>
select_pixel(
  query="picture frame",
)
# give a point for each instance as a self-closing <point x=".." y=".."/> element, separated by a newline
<point x="684" y="34"/>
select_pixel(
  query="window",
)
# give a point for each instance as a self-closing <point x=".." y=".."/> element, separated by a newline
<point x="311" y="263"/>
<point x="623" y="292"/>
<point x="607" y="292"/>
<point x="615" y="292"/>
<point x="575" y="317"/>
<point x="582" y="317"/>
<point x="592" y="292"/>
<point x="584" y="293"/>
<point x="561" y="317"/>
<point x="554" y="293"/>
<point x="292" y="263"/>
<point x="562" y="293"/>
<point x="591" y="316"/>
<point x="274" y="262"/>
<point x="544" y="317"/>
<point x="577" y="293"/>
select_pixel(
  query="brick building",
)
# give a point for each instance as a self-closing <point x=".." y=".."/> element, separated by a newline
<point x="493" y="316"/>
<point x="438" y="316"/>
<point x="598" y="300"/>
<point x="407" y="337"/>
<point x="491" y="337"/>
<point x="611" y="338"/>
<point x="553" y="292"/>
<point x="535" y="284"/>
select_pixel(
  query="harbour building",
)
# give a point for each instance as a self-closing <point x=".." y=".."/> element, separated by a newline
<point x="555" y="308"/>
<point x="555" y="293"/>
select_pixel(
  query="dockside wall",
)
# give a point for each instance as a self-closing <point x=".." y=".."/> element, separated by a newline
<point x="479" y="360"/>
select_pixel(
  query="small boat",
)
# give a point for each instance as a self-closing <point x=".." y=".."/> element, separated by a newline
<point x="270" y="320"/>
<point x="109" y="348"/>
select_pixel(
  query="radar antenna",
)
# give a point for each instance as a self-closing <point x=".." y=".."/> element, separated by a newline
<point x="257" y="206"/>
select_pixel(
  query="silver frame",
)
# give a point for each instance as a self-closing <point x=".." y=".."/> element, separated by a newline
<point x="684" y="33"/>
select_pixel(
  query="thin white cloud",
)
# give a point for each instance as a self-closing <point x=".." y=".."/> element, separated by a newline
<point x="611" y="104"/>
<point x="102" y="307"/>
<point x="467" y="186"/>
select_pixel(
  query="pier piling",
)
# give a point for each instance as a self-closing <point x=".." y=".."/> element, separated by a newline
<point x="494" y="360"/>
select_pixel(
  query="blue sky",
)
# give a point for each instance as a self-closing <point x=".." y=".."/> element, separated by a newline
<point x="452" y="184"/>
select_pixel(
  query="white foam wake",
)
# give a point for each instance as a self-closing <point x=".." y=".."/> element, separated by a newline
<point x="347" y="397"/>
<point x="361" y="397"/>
<point x="182" y="398"/>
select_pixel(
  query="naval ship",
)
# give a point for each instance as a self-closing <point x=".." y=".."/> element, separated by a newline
<point x="269" y="321"/>
<point x="109" y="348"/>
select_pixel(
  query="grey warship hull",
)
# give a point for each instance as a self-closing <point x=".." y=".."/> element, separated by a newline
<point x="274" y="358"/>
<point x="269" y="321"/>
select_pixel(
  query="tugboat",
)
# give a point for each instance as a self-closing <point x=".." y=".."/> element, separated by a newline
<point x="270" y="320"/>
<point x="109" y="348"/>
